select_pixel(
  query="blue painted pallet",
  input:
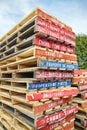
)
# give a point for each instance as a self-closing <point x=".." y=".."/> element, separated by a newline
<point x="53" y="64"/>
<point x="32" y="86"/>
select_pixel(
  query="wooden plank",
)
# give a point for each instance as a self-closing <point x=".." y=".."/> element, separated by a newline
<point x="5" y="123"/>
<point x="19" y="124"/>
<point x="7" y="116"/>
<point x="81" y="103"/>
<point x="79" y="128"/>
<point x="81" y="87"/>
<point x="6" y="100"/>
<point x="80" y="72"/>
<point x="79" y="80"/>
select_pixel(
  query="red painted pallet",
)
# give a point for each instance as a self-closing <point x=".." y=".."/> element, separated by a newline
<point x="82" y="87"/>
<point x="58" y="115"/>
<point x="53" y="45"/>
<point x="46" y="32"/>
<point x="55" y="94"/>
<point x="54" y="27"/>
<point x="48" y="17"/>
<point x="46" y="106"/>
<point x="59" y="123"/>
<point x="55" y="55"/>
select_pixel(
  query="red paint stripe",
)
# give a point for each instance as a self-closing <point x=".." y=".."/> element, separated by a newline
<point x="83" y="87"/>
<point x="47" y="95"/>
<point x="80" y="72"/>
<point x="85" y="95"/>
<point x="49" y="54"/>
<point x="40" y="74"/>
<point x="85" y="123"/>
<point x="59" y="123"/>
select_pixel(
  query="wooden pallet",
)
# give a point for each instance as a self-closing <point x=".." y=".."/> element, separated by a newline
<point x="81" y="119"/>
<point x="23" y="119"/>
<point x="40" y="108"/>
<point x="42" y="14"/>
<point x="37" y="52"/>
<point x="31" y="85"/>
<point x="37" y="62"/>
<point x="81" y="103"/>
<point x="6" y="124"/>
<point x="59" y="123"/>
<point x="28" y="31"/>
<point x="78" y="126"/>
<point x="34" y="40"/>
<point x="18" y="124"/>
<point x="39" y="122"/>
<point x="52" y="94"/>
<point x="2" y="127"/>
<point x="82" y="95"/>
<point x="28" y="119"/>
<point x="9" y="121"/>
<point x="36" y="73"/>
<point x="7" y="116"/>
<point x="82" y="113"/>
<point x="80" y="87"/>
<point x="26" y="60"/>
<point x="35" y="107"/>
<point x="79" y="80"/>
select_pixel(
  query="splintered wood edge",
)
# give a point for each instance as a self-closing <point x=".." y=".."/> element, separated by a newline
<point x="78" y="100"/>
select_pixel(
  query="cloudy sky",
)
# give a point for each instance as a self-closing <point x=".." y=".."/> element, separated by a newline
<point x="72" y="12"/>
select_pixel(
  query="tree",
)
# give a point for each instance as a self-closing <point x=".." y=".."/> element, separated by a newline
<point x="81" y="51"/>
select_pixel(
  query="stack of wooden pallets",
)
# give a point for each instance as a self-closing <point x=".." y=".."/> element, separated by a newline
<point x="37" y="60"/>
<point x="80" y="81"/>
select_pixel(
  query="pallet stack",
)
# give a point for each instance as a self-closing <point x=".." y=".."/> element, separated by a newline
<point x="37" y="60"/>
<point x="80" y="81"/>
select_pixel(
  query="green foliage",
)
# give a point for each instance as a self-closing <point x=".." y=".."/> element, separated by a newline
<point x="81" y="51"/>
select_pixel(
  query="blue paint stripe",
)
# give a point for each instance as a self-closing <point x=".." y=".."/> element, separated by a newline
<point x="39" y="85"/>
<point x="53" y="64"/>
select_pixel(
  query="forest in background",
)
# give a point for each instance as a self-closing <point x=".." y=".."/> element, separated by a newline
<point x="81" y="51"/>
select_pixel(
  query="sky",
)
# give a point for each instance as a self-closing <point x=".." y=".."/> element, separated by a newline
<point x="71" y="12"/>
